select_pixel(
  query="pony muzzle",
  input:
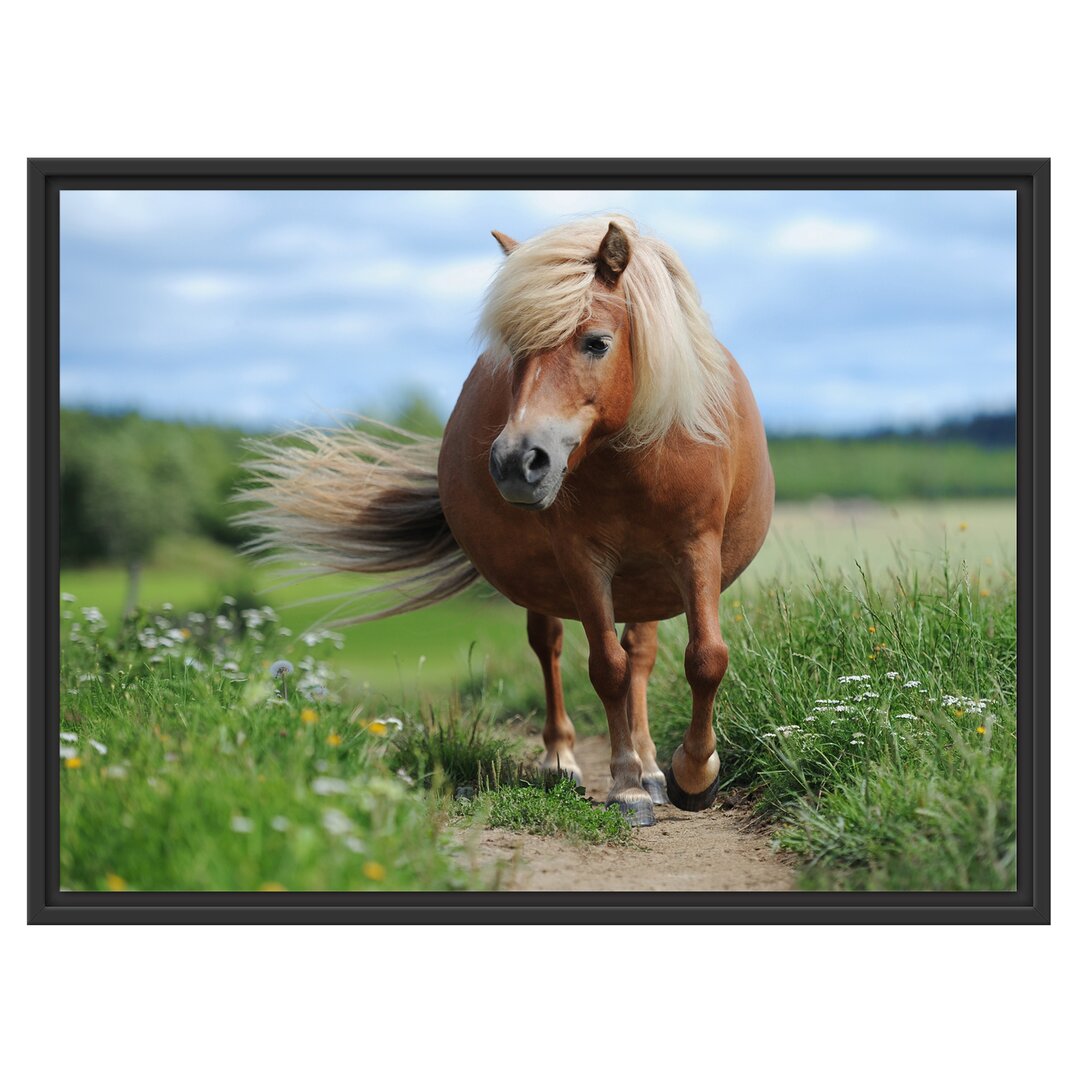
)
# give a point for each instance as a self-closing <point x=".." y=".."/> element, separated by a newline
<point x="527" y="471"/>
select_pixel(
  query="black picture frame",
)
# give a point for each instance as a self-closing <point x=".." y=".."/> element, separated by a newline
<point x="1028" y="177"/>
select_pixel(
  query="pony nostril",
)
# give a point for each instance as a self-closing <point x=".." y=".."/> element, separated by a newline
<point x="535" y="465"/>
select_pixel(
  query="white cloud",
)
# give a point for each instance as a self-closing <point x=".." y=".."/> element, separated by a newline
<point x="415" y="279"/>
<point x="681" y="229"/>
<point x="823" y="236"/>
<point x="458" y="278"/>
<point x="207" y="287"/>
<point x="138" y="215"/>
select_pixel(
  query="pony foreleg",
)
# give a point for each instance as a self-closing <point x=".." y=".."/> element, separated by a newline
<point x="609" y="672"/>
<point x="694" y="776"/>
<point x="639" y="641"/>
<point x="546" y="638"/>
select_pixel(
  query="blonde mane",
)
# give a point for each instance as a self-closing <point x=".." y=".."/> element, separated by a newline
<point x="544" y="291"/>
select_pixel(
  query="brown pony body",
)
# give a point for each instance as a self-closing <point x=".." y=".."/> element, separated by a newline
<point x="631" y="510"/>
<point x="582" y="479"/>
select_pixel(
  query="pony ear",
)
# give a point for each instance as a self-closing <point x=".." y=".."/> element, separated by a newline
<point x="505" y="242"/>
<point x="613" y="255"/>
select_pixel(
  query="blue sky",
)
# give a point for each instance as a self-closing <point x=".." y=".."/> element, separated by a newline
<point x="846" y="308"/>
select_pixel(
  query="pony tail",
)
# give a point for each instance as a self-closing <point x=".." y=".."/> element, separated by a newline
<point x="347" y="499"/>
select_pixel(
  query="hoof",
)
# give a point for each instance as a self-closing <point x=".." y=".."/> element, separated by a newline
<point x="701" y="800"/>
<point x="657" y="789"/>
<point x="638" y="813"/>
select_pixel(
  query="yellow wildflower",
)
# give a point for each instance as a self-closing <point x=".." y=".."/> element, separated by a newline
<point x="871" y="629"/>
<point x="333" y="739"/>
<point x="308" y="716"/>
<point x="185" y="633"/>
<point x="115" y="883"/>
<point x="377" y="727"/>
<point x="963" y="526"/>
<point x="980" y="730"/>
<point x="375" y="871"/>
<point x="73" y="763"/>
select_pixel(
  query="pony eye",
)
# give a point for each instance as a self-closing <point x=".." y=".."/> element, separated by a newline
<point x="596" y="345"/>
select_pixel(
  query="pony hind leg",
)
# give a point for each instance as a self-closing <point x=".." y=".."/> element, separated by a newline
<point x="639" y="641"/>
<point x="546" y="639"/>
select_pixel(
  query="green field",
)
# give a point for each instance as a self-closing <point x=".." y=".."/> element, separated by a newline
<point x="428" y="650"/>
<point x="890" y="469"/>
<point x="186" y="765"/>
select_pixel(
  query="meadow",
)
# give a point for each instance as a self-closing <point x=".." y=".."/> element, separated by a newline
<point x="869" y="712"/>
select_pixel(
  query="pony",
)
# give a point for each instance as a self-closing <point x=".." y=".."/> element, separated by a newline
<point x="605" y="461"/>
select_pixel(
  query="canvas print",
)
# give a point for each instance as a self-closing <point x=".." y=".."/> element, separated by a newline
<point x="538" y="541"/>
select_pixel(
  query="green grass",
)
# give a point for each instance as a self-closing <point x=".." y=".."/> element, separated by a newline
<point x="556" y="810"/>
<point x="455" y="751"/>
<point x="196" y="756"/>
<point x="403" y="656"/>
<point x="210" y="781"/>
<point x="875" y="725"/>
<point x="186" y="766"/>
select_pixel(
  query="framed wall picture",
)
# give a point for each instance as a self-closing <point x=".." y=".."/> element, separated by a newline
<point x="539" y="541"/>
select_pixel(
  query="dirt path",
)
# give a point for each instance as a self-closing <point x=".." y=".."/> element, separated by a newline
<point x="714" y="851"/>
